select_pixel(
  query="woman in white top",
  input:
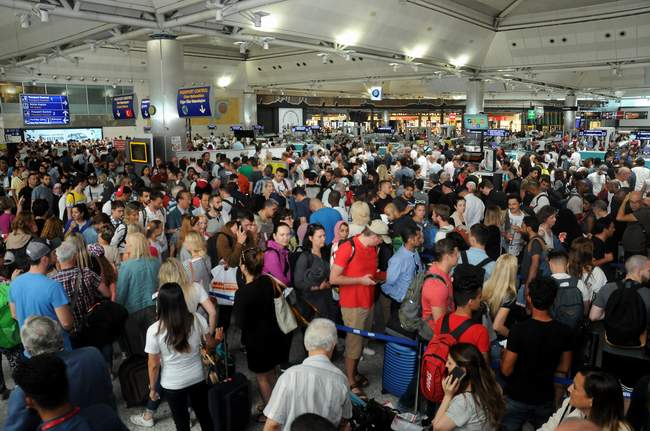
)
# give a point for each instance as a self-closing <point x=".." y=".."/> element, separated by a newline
<point x="174" y="348"/>
<point x="595" y="396"/>
<point x="196" y="299"/>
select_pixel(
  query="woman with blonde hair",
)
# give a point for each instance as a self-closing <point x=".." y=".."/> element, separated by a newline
<point x="83" y="258"/>
<point x="500" y="293"/>
<point x="138" y="275"/>
<point x="360" y="214"/>
<point x="197" y="266"/>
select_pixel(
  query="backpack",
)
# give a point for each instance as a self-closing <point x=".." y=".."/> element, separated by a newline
<point x="625" y="315"/>
<point x="434" y="361"/>
<point x="213" y="251"/>
<point x="568" y="307"/>
<point x="354" y="250"/>
<point x="481" y="264"/>
<point x="9" y="331"/>
<point x="410" y="311"/>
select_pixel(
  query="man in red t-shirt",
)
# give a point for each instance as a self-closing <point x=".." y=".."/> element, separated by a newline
<point x="355" y="272"/>
<point x="468" y="285"/>
<point x="437" y="296"/>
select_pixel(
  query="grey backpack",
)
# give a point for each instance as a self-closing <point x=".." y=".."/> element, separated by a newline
<point x="410" y="312"/>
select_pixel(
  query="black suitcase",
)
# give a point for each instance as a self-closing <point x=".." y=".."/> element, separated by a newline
<point x="134" y="380"/>
<point x="229" y="401"/>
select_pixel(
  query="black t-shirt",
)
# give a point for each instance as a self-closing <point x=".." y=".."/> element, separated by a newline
<point x="601" y="248"/>
<point x="381" y="203"/>
<point x="493" y="246"/>
<point x="539" y="347"/>
<point x="435" y="194"/>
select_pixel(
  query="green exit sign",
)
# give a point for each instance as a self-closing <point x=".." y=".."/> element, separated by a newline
<point x="531" y="114"/>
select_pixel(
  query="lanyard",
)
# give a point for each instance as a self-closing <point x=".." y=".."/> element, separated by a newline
<point x="58" y="421"/>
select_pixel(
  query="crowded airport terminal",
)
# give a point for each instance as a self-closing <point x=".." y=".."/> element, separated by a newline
<point x="300" y="215"/>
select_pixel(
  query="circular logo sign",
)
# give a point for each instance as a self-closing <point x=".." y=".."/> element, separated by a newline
<point x="375" y="92"/>
<point x="152" y="110"/>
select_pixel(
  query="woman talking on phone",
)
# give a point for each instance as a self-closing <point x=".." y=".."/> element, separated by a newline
<point x="473" y="399"/>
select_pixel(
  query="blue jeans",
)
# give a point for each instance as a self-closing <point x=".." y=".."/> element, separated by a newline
<point x="518" y="413"/>
<point x="153" y="405"/>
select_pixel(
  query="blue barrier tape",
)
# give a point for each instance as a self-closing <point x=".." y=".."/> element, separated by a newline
<point x="378" y="336"/>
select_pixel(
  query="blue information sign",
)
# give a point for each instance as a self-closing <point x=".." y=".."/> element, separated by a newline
<point x="194" y="102"/>
<point x="643" y="136"/>
<point x="384" y="130"/>
<point x="300" y="129"/>
<point x="234" y="128"/>
<point x="144" y="108"/>
<point x="502" y="133"/>
<point x="597" y="133"/>
<point x="41" y="109"/>
<point x="123" y="107"/>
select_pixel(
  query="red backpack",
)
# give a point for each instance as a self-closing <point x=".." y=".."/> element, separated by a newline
<point x="434" y="360"/>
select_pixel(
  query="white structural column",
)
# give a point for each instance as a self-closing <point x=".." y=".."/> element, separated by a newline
<point x="385" y="117"/>
<point x="165" y="66"/>
<point x="250" y="108"/>
<point x="475" y="96"/>
<point x="570" y="101"/>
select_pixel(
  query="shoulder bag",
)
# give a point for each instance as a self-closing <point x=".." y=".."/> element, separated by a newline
<point x="283" y="313"/>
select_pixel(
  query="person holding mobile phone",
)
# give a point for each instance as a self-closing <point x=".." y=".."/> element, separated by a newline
<point x="473" y="399"/>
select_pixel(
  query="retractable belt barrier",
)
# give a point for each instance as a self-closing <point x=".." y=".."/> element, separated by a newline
<point x="412" y="343"/>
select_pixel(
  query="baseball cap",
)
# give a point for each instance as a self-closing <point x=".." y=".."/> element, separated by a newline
<point x="448" y="184"/>
<point x="380" y="228"/>
<point x="37" y="248"/>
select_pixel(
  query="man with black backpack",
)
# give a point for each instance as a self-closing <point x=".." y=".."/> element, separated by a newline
<point x="625" y="306"/>
<point x="573" y="298"/>
<point x="476" y="255"/>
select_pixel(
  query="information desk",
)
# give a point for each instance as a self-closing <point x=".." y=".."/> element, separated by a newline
<point x="276" y="152"/>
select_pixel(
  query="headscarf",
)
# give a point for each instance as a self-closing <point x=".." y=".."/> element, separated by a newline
<point x="337" y="238"/>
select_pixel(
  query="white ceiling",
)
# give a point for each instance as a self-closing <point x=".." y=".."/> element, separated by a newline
<point x="531" y="48"/>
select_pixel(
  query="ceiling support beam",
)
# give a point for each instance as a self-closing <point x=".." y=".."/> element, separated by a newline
<point x="86" y="47"/>
<point x="125" y="5"/>
<point x="239" y="7"/>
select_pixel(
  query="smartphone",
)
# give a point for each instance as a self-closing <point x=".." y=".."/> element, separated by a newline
<point x="458" y="373"/>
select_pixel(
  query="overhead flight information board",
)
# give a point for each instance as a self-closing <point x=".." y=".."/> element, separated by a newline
<point x="45" y="110"/>
<point x="123" y="107"/>
<point x="194" y="102"/>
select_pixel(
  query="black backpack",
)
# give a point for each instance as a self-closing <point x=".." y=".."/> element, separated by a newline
<point x="568" y="307"/>
<point x="625" y="315"/>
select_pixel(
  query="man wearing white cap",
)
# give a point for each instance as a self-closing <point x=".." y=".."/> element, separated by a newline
<point x="355" y="272"/>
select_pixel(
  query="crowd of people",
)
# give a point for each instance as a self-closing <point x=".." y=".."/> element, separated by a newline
<point x="523" y="264"/>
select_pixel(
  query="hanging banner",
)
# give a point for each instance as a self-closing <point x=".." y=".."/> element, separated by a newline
<point x="194" y="102"/>
<point x="123" y="107"/>
<point x="145" y="105"/>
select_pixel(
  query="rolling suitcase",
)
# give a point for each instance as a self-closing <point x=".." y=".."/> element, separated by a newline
<point x="229" y="402"/>
<point x="134" y="380"/>
<point x="400" y="365"/>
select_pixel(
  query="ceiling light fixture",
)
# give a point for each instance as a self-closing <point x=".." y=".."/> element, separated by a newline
<point x="224" y="81"/>
<point x="459" y="61"/>
<point x="44" y="15"/>
<point x="243" y="46"/>
<point x="219" y="14"/>
<point x="395" y="66"/>
<point x="324" y="57"/>
<point x="25" y="21"/>
<point x="257" y="18"/>
<point x="348" y="38"/>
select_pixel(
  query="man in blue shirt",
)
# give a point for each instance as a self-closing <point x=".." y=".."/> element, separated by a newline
<point x="34" y="294"/>
<point x="404" y="264"/>
<point x="327" y="217"/>
<point x="44" y="382"/>
<point x="476" y="255"/>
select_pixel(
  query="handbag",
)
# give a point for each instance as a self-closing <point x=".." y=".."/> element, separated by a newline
<point x="283" y="313"/>
<point x="208" y="359"/>
<point x="224" y="284"/>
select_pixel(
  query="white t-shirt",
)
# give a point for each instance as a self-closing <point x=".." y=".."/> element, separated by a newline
<point x="594" y="281"/>
<point x="598" y="181"/>
<point x="642" y="173"/>
<point x="178" y="370"/>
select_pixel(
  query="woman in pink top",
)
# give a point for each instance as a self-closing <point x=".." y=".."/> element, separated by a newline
<point x="6" y="218"/>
